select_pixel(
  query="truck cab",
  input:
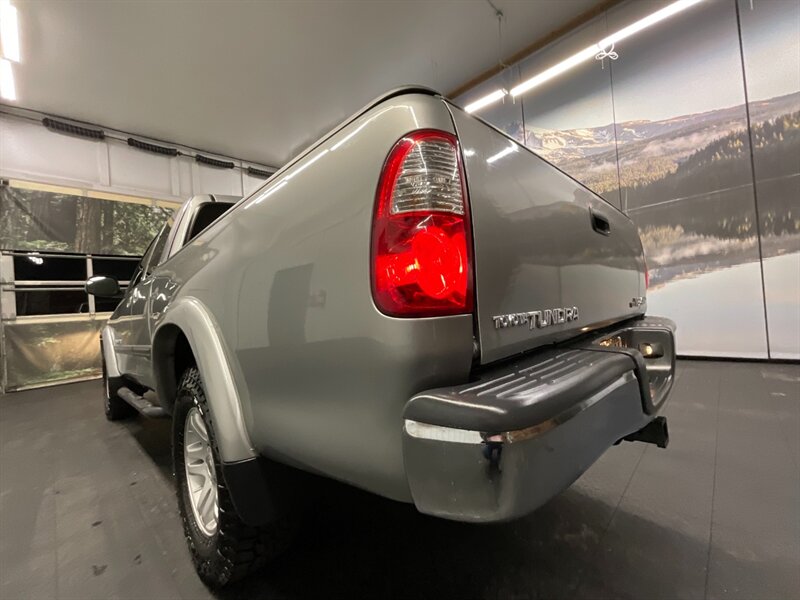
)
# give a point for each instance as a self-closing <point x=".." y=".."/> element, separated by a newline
<point x="128" y="332"/>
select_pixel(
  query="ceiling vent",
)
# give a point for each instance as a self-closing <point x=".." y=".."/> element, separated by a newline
<point x="72" y="129"/>
<point x="148" y="147"/>
<point x="253" y="172"/>
<point x="222" y="164"/>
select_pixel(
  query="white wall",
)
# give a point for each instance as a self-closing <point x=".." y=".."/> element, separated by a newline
<point x="31" y="152"/>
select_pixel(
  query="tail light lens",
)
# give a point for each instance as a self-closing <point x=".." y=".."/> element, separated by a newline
<point x="421" y="237"/>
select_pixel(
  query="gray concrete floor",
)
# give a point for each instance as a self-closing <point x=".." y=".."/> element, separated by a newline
<point x="87" y="510"/>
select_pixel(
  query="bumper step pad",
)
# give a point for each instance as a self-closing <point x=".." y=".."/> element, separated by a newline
<point x="502" y="445"/>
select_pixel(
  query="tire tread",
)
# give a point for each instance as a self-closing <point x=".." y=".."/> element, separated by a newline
<point x="239" y="549"/>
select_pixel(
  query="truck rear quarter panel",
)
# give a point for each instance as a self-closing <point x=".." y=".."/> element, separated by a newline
<point x="322" y="374"/>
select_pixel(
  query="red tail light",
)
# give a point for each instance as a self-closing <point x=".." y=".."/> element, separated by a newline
<point x="646" y="275"/>
<point x="421" y="236"/>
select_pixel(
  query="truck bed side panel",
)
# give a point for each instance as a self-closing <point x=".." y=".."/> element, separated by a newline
<point x="323" y="375"/>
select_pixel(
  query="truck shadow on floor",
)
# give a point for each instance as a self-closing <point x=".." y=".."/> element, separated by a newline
<point x="354" y="544"/>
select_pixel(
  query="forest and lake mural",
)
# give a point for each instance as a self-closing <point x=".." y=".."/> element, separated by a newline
<point x="663" y="164"/>
<point x="694" y="132"/>
<point x="44" y="220"/>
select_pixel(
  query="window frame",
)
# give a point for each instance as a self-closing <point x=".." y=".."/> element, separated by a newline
<point x="156" y="253"/>
<point x="138" y="272"/>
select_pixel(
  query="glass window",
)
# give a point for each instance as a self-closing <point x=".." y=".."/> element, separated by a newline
<point x="35" y="267"/>
<point x="120" y="269"/>
<point x="156" y="255"/>
<point x="139" y="270"/>
<point x="206" y="214"/>
<point x="51" y="301"/>
<point x="105" y="304"/>
<point x="175" y="222"/>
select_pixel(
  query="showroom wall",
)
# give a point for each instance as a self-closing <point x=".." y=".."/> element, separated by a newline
<point x="70" y="208"/>
<point x="692" y="128"/>
<point x="30" y="151"/>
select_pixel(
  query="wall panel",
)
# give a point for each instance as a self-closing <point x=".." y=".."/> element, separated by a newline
<point x="214" y="180"/>
<point x="31" y="152"/>
<point x="249" y="183"/>
<point x="699" y="115"/>
<point x="685" y="175"/>
<point x="506" y="115"/>
<point x="62" y="193"/>
<point x="569" y="120"/>
<point x="770" y="34"/>
<point x="132" y="169"/>
<point x="28" y="150"/>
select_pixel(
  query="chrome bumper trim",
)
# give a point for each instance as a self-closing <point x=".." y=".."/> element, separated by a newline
<point x="453" y="435"/>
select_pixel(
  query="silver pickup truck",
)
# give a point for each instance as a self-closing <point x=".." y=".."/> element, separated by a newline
<point x="416" y="305"/>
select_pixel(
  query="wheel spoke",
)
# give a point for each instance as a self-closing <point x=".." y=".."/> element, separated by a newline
<point x="197" y="468"/>
<point x="200" y="472"/>
<point x="209" y="513"/>
<point x="212" y="508"/>
<point x="199" y="426"/>
<point x="196" y="449"/>
<point x="205" y="496"/>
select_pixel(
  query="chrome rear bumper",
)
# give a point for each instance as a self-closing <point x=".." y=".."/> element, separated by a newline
<point x="499" y="447"/>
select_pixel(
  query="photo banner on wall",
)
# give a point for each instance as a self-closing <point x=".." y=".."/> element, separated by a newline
<point x="46" y="220"/>
<point x="701" y="150"/>
<point x="43" y="353"/>
<point x="770" y="33"/>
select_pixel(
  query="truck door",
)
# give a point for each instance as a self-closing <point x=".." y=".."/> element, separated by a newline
<point x="138" y="322"/>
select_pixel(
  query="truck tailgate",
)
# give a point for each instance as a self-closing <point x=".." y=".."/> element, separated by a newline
<point x="552" y="259"/>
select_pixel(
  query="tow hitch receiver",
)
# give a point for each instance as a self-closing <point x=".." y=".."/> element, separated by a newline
<point x="655" y="432"/>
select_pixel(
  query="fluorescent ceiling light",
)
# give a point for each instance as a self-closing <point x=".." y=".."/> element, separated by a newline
<point x="555" y="70"/>
<point x="485" y="101"/>
<point x="9" y="31"/>
<point x="8" y="90"/>
<point x="504" y="152"/>
<point x="649" y="20"/>
<point x="602" y="45"/>
<point x="585" y="54"/>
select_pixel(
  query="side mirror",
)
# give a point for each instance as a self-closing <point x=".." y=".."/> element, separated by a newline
<point x="100" y="285"/>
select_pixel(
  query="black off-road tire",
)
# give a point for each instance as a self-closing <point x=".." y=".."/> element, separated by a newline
<point x="236" y="549"/>
<point x="115" y="407"/>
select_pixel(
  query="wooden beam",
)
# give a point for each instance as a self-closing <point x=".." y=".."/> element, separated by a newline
<point x="551" y="37"/>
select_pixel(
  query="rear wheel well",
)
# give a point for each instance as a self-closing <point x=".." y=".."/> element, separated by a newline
<point x="172" y="355"/>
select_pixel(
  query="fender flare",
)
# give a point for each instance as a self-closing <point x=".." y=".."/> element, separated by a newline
<point x="109" y="350"/>
<point x="197" y="324"/>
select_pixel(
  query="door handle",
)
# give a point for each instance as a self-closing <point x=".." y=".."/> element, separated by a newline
<point x="599" y="223"/>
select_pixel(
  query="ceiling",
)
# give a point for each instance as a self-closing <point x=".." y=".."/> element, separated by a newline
<point x="256" y="80"/>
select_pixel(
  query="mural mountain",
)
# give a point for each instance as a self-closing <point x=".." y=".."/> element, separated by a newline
<point x="648" y="150"/>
